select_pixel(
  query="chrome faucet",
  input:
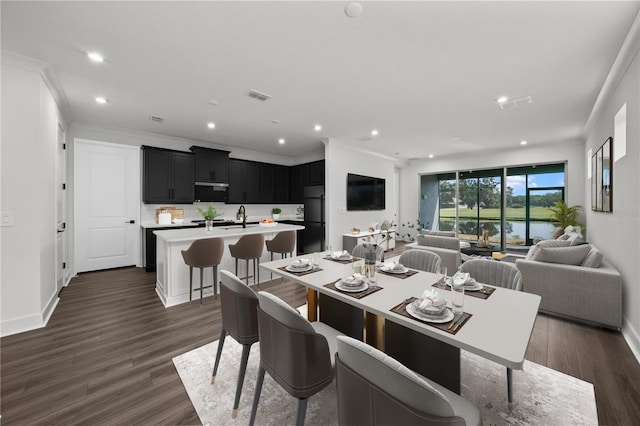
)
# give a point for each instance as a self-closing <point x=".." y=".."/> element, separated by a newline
<point x="241" y="211"/>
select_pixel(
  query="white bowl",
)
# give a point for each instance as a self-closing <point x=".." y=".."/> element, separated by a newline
<point x="178" y="221"/>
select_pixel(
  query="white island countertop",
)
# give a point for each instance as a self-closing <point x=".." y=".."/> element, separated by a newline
<point x="228" y="231"/>
<point x="172" y="274"/>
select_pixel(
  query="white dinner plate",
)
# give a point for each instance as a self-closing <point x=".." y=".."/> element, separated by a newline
<point x="351" y="289"/>
<point x="448" y="316"/>
<point x="474" y="287"/>
<point x="291" y="268"/>
<point x="393" y="271"/>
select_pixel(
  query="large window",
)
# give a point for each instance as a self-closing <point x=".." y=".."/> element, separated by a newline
<point x="472" y="203"/>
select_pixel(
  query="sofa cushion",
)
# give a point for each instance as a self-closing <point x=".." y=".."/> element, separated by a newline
<point x="572" y="255"/>
<point x="593" y="258"/>
<point x="578" y="241"/>
<point x="438" y="241"/>
<point x="438" y="233"/>
<point x="533" y="250"/>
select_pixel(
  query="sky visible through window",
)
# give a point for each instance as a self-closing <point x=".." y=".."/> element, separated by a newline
<point x="535" y="181"/>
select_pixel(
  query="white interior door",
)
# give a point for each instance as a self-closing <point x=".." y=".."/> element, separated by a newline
<point x="61" y="211"/>
<point x="107" y="205"/>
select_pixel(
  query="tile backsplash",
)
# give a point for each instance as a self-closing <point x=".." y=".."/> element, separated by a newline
<point x="225" y="211"/>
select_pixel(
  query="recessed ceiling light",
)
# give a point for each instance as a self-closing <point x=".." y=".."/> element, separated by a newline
<point x="374" y="132"/>
<point x="95" y="57"/>
<point x="523" y="142"/>
<point x="281" y="141"/>
<point x="353" y="10"/>
<point x="502" y="99"/>
<point x="211" y="125"/>
<point x="317" y="127"/>
<point x="430" y="155"/>
<point x="101" y="100"/>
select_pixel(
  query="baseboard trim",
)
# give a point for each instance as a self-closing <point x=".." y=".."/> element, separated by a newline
<point x="632" y="337"/>
<point x="20" y="325"/>
<point x="48" y="310"/>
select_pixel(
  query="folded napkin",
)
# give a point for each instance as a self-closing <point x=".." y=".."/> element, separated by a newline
<point x="354" y="280"/>
<point x="300" y="263"/>
<point x="392" y="266"/>
<point x="432" y="301"/>
<point x="462" y="278"/>
<point x="338" y="254"/>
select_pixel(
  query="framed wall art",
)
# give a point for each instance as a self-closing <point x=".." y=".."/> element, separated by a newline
<point x="602" y="178"/>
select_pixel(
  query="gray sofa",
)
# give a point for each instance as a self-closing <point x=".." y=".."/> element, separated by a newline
<point x="442" y="243"/>
<point x="573" y="281"/>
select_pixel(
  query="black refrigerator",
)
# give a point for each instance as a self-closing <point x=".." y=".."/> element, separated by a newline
<point x="314" y="239"/>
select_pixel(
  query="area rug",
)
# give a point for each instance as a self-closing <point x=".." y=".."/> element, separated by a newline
<point x="541" y="396"/>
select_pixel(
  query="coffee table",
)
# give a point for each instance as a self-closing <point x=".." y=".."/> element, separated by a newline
<point x="499" y="329"/>
<point x="475" y="249"/>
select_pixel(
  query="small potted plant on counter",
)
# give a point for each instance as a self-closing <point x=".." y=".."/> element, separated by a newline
<point x="208" y="216"/>
<point x="275" y="213"/>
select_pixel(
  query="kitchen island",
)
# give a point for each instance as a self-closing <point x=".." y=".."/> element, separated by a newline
<point x="172" y="281"/>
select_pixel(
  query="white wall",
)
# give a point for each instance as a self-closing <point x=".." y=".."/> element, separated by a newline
<point x="340" y="160"/>
<point x="571" y="152"/>
<point x="617" y="234"/>
<point x="29" y="141"/>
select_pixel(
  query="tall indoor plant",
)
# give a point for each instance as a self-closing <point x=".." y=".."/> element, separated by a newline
<point x="565" y="215"/>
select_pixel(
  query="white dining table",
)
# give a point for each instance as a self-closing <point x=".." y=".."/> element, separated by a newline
<point x="499" y="329"/>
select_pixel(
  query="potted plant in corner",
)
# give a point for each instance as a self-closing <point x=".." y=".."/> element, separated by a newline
<point x="208" y="216"/>
<point x="565" y="215"/>
<point x="275" y="213"/>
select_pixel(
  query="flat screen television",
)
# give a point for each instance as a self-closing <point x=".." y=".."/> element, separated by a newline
<point x="365" y="193"/>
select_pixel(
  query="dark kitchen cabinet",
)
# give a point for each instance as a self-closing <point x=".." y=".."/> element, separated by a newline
<point x="282" y="177"/>
<point x="316" y="173"/>
<point x="266" y="183"/>
<point x="168" y="176"/>
<point x="243" y="181"/>
<point x="299" y="179"/>
<point x="212" y="165"/>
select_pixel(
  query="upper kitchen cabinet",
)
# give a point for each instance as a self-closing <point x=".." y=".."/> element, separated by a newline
<point x="282" y="177"/>
<point x="211" y="165"/>
<point x="306" y="174"/>
<point x="243" y="181"/>
<point x="168" y="176"/>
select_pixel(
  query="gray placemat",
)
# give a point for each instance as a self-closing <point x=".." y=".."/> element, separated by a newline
<point x="359" y="295"/>
<point x="401" y="309"/>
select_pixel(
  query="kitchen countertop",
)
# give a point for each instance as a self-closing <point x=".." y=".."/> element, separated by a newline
<point x="187" y="222"/>
<point x="228" y="231"/>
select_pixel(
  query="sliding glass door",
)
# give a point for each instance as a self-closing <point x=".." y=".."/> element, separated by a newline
<point x="480" y="204"/>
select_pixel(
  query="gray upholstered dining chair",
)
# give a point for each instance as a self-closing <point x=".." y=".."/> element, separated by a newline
<point x="249" y="247"/>
<point x="361" y="249"/>
<point x="421" y="259"/>
<point x="375" y="389"/>
<point x="297" y="354"/>
<point x="493" y="272"/>
<point x="204" y="253"/>
<point x="239" y="320"/>
<point x="499" y="274"/>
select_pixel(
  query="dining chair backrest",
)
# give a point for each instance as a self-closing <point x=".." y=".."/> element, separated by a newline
<point x="239" y="309"/>
<point x="360" y="250"/>
<point x="421" y="259"/>
<point x="493" y="272"/>
<point x="375" y="389"/>
<point x="291" y="351"/>
<point x="203" y="253"/>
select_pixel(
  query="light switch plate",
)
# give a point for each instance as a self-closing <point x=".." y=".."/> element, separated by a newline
<point x="6" y="218"/>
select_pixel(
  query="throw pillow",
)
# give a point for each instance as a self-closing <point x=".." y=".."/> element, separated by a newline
<point x="578" y="241"/>
<point x="558" y="232"/>
<point x="563" y="255"/>
<point x="533" y="250"/>
<point x="563" y="237"/>
<point x="593" y="259"/>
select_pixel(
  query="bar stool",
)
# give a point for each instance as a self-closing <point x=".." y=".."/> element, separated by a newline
<point x="283" y="243"/>
<point x="201" y="254"/>
<point x="249" y="247"/>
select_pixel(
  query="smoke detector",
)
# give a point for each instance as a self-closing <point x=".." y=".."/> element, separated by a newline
<point x="258" y="95"/>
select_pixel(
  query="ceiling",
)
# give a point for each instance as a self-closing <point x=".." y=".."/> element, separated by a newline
<point x="424" y="74"/>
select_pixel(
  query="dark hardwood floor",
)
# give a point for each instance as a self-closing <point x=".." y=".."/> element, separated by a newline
<point x="105" y="356"/>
